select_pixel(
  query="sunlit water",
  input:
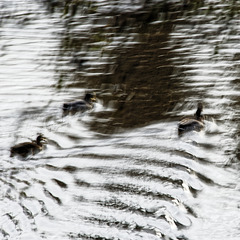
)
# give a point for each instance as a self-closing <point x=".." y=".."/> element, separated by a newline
<point x="120" y="171"/>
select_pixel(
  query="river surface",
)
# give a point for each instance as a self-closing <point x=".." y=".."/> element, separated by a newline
<point x="120" y="171"/>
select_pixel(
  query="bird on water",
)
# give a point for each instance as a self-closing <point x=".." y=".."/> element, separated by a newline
<point x="28" y="148"/>
<point x="196" y="123"/>
<point x="80" y="106"/>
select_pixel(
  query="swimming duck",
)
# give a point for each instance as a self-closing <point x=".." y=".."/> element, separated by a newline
<point x="28" y="148"/>
<point x="80" y="106"/>
<point x="192" y="124"/>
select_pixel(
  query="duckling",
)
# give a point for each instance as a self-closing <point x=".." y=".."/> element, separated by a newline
<point x="28" y="148"/>
<point x="80" y="106"/>
<point x="192" y="124"/>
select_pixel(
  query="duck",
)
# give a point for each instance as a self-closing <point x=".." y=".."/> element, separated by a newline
<point x="196" y="123"/>
<point x="81" y="105"/>
<point x="28" y="148"/>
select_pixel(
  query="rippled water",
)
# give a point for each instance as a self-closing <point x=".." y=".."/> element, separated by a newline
<point x="120" y="171"/>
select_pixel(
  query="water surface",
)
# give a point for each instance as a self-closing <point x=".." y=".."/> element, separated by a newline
<point x="120" y="171"/>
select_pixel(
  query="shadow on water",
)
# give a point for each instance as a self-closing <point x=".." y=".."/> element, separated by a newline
<point x="126" y="58"/>
<point x="120" y="171"/>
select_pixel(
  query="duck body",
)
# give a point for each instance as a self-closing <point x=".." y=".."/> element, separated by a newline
<point x="79" y="106"/>
<point x="196" y="123"/>
<point x="28" y="148"/>
<point x="187" y="125"/>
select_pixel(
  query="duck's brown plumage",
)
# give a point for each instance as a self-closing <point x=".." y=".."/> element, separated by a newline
<point x="80" y="106"/>
<point x="196" y="123"/>
<point x="28" y="148"/>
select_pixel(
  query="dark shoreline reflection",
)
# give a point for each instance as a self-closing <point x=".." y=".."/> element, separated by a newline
<point x="125" y="57"/>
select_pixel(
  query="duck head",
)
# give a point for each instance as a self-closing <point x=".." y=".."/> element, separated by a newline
<point x="198" y="114"/>
<point x="89" y="97"/>
<point x="40" y="140"/>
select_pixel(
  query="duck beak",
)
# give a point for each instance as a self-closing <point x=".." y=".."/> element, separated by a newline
<point x="93" y="99"/>
<point x="44" y="140"/>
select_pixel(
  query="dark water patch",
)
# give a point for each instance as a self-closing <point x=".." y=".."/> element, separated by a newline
<point x="116" y="203"/>
<point x="70" y="169"/>
<point x="82" y="183"/>
<point x="205" y="178"/>
<point x="13" y="220"/>
<point x="87" y="237"/>
<point x="138" y="190"/>
<point x="30" y="216"/>
<point x="157" y="211"/>
<point x="122" y="225"/>
<point x="60" y="183"/>
<point x="50" y="195"/>
<point x="148" y="176"/>
<point x="128" y="87"/>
